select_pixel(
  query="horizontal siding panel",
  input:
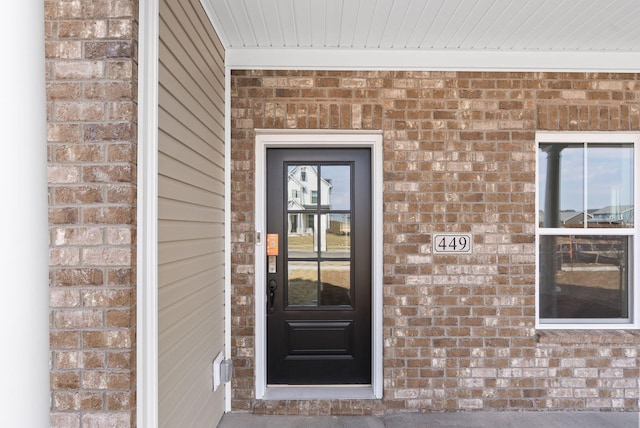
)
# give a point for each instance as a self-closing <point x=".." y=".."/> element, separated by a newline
<point x="179" y="191"/>
<point x="170" y="273"/>
<point x="171" y="47"/>
<point x="200" y="65"/>
<point x="182" y="86"/>
<point x="172" y="411"/>
<point x="193" y="368"/>
<point x="203" y="127"/>
<point x="211" y="44"/>
<point x="187" y="334"/>
<point x="191" y="189"/>
<point x="178" y="337"/>
<point x="197" y="412"/>
<point x="174" y="251"/>
<point x="201" y="69"/>
<point x="179" y="171"/>
<point x="187" y="133"/>
<point x="188" y="381"/>
<point x="190" y="134"/>
<point x="195" y="282"/>
<point x="177" y="210"/>
<point x="183" y="312"/>
<point x="175" y="361"/>
<point x="179" y="230"/>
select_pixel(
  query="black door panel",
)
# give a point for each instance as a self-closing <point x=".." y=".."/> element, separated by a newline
<point x="319" y="314"/>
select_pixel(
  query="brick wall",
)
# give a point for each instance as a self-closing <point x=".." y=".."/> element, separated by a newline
<point x="459" y="155"/>
<point x="91" y="93"/>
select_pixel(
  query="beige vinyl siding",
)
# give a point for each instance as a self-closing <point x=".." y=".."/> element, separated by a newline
<point x="191" y="215"/>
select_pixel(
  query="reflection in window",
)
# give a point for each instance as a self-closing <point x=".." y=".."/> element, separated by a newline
<point x="338" y="180"/>
<point x="585" y="232"/>
<point x="318" y="240"/>
<point x="302" y="283"/>
<point x="337" y="235"/>
<point x="302" y="240"/>
<point x="335" y="283"/>
<point x="585" y="185"/>
<point x="588" y="278"/>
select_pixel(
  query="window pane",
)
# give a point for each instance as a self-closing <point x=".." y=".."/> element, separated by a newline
<point x="335" y="280"/>
<point x="610" y="185"/>
<point x="302" y="284"/>
<point x="302" y="240"/>
<point x="302" y="181"/>
<point x="584" y="277"/>
<point x="337" y="196"/>
<point x="337" y="235"/>
<point x="608" y="180"/>
<point x="561" y="185"/>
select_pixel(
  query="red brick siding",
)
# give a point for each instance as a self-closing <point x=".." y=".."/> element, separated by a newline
<point x="459" y="155"/>
<point x="91" y="95"/>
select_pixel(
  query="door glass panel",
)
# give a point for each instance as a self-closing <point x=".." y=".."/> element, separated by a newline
<point x="302" y="186"/>
<point x="319" y="235"/>
<point x="302" y="239"/>
<point x="337" y="228"/>
<point x="335" y="277"/>
<point x="336" y="187"/>
<point x="302" y="283"/>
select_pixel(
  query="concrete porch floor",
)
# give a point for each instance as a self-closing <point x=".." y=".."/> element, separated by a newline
<point x="440" y="420"/>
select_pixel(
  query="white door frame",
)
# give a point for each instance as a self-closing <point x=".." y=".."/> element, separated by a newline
<point x="265" y="139"/>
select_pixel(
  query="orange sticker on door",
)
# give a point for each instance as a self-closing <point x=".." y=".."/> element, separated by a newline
<point x="272" y="244"/>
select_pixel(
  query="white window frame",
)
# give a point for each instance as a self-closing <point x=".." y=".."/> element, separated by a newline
<point x="633" y="321"/>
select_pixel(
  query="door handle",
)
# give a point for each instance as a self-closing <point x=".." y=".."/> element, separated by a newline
<point x="273" y="286"/>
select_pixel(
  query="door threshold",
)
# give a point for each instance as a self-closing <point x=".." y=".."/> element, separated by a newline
<point x="318" y="392"/>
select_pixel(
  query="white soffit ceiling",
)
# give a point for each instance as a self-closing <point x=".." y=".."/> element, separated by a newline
<point x="590" y="35"/>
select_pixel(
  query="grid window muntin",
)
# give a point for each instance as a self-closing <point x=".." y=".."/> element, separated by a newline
<point x="616" y="235"/>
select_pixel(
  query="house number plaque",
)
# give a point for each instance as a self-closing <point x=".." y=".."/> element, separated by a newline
<point x="447" y="243"/>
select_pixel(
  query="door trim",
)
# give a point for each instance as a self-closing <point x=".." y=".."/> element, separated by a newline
<point x="278" y="138"/>
<point x="147" y="218"/>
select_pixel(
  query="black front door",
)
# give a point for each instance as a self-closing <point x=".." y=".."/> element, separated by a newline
<point x="319" y="283"/>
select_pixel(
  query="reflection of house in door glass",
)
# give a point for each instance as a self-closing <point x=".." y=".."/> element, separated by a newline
<point x="305" y="191"/>
<point x="318" y="241"/>
<point x="318" y="198"/>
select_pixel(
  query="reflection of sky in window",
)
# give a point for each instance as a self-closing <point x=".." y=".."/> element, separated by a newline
<point x="340" y="178"/>
<point x="610" y="176"/>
